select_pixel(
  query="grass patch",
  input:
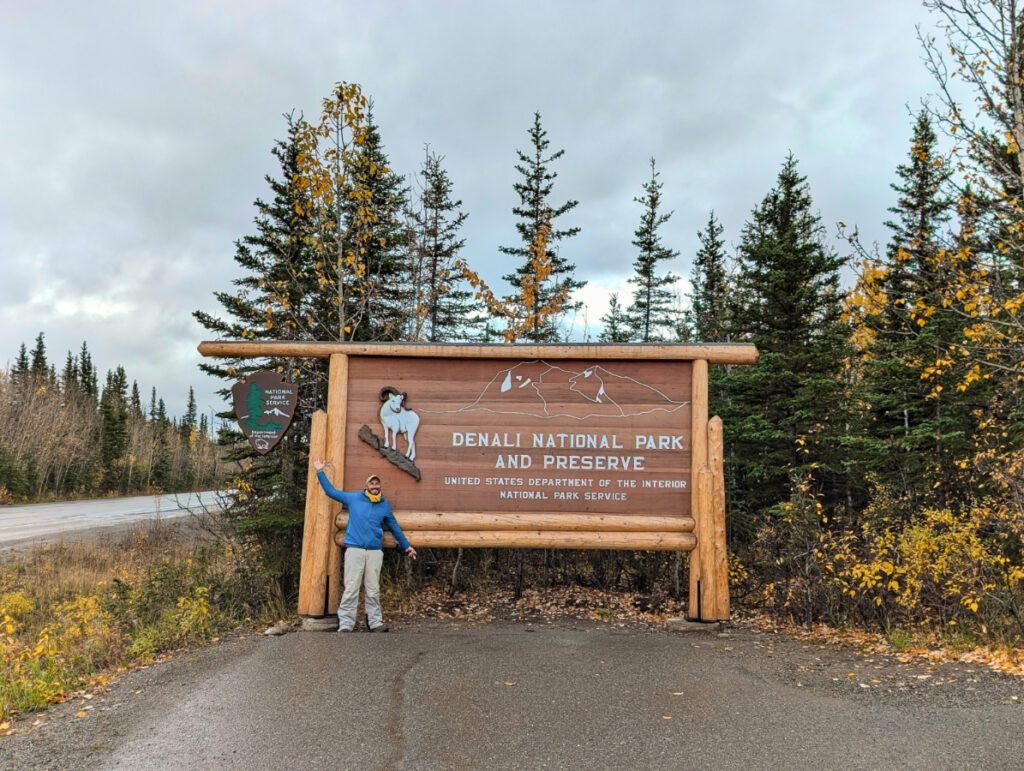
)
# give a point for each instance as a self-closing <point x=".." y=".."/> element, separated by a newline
<point x="71" y="613"/>
<point x="900" y="640"/>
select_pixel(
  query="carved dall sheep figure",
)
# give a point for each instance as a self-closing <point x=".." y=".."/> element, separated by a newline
<point x="395" y="419"/>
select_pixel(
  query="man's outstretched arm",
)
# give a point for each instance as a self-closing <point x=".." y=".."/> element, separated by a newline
<point x="392" y="524"/>
<point x="330" y="490"/>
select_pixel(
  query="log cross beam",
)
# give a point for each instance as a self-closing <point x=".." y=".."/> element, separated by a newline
<point x="713" y="353"/>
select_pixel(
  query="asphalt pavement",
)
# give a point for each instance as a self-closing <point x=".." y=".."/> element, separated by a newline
<point x="519" y="696"/>
<point x="20" y="525"/>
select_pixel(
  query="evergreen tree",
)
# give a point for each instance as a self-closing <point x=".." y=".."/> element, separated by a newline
<point x="444" y="309"/>
<point x="278" y="296"/>
<point x="381" y="299"/>
<point x="784" y="415"/>
<point x="921" y="430"/>
<point x="708" y="316"/>
<point x="188" y="420"/>
<point x="162" y="467"/>
<point x="39" y="368"/>
<point x="135" y="406"/>
<point x="617" y="326"/>
<point x="87" y="372"/>
<point x="21" y="364"/>
<point x="113" y="426"/>
<point x="651" y="313"/>
<point x="536" y="211"/>
<point x="69" y="375"/>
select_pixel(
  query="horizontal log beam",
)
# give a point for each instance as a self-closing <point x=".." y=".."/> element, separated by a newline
<point x="540" y="539"/>
<point x="593" y="523"/>
<point x="717" y="353"/>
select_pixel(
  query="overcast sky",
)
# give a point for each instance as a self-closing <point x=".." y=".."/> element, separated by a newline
<point x="136" y="136"/>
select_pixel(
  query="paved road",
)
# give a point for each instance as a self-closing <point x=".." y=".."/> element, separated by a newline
<point x="512" y="696"/>
<point x="40" y="521"/>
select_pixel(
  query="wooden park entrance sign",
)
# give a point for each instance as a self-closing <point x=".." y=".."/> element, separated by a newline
<point x="522" y="446"/>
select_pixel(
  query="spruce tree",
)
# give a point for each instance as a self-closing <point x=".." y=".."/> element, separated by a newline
<point x="708" y="316"/>
<point x="444" y="305"/>
<point x="113" y="427"/>
<point x="381" y="300"/>
<point x="188" y="420"/>
<point x="69" y="375"/>
<point x="21" y="364"/>
<point x="39" y="368"/>
<point x="278" y="296"/>
<point x="536" y="209"/>
<point x="921" y="430"/>
<point x="87" y="373"/>
<point x="162" y="467"/>
<point x="651" y="314"/>
<point x="617" y="325"/>
<point x="135" y="405"/>
<point x="783" y="416"/>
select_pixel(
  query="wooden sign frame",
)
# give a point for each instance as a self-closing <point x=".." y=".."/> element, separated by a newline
<point x="702" y="534"/>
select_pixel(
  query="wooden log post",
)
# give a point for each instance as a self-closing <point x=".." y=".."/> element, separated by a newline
<point x="337" y="417"/>
<point x="317" y="529"/>
<point x="706" y="545"/>
<point x="716" y="464"/>
<point x="699" y="460"/>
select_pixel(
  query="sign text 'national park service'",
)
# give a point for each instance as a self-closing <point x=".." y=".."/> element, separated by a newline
<point x="264" y="405"/>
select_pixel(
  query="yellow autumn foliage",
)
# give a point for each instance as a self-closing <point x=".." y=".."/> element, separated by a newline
<point x="63" y="626"/>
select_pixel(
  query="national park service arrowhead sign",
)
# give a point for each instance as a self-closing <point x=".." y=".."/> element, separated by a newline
<point x="264" y="405"/>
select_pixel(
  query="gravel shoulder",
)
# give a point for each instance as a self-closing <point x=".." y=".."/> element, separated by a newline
<point x="558" y="693"/>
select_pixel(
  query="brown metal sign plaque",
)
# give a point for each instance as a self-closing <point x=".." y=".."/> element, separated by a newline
<point x="264" y="405"/>
<point x="492" y="435"/>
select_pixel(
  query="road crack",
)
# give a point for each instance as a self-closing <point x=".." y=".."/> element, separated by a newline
<point x="396" y="708"/>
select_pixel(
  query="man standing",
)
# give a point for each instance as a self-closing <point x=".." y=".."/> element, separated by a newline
<point x="368" y="515"/>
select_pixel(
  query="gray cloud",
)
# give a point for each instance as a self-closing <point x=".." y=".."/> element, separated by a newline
<point x="137" y="136"/>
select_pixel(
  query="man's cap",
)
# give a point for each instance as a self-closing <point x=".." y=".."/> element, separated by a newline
<point x="372" y="476"/>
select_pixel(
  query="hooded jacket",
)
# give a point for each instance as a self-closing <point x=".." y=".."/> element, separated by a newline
<point x="366" y="520"/>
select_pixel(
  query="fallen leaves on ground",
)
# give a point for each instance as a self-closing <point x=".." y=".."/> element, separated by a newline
<point x="540" y="605"/>
<point x="1009" y="661"/>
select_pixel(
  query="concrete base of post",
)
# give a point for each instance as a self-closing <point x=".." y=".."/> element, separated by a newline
<point x="685" y="625"/>
<point x="321" y="624"/>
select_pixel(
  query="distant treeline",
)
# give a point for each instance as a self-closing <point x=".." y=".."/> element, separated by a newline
<point x="66" y="436"/>
<point x="875" y="453"/>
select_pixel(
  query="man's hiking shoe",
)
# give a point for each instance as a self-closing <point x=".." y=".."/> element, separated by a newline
<point x="345" y="630"/>
<point x="382" y="628"/>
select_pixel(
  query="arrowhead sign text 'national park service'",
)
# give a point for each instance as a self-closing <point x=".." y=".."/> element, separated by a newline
<point x="264" y="406"/>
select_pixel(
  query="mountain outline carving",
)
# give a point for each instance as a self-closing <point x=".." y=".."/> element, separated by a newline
<point x="556" y="392"/>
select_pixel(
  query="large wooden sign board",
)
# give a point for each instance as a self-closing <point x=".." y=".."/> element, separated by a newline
<point x="507" y="435"/>
<point x="544" y="446"/>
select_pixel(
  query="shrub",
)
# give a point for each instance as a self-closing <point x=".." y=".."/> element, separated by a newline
<point x="69" y="612"/>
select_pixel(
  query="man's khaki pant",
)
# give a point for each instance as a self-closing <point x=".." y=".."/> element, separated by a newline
<point x="362" y="566"/>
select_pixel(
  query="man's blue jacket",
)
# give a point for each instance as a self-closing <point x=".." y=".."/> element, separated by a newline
<point x="366" y="519"/>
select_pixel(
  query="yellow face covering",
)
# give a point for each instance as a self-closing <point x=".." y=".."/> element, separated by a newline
<point x="373" y="498"/>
